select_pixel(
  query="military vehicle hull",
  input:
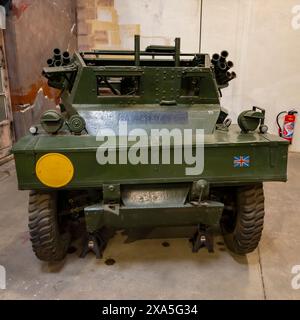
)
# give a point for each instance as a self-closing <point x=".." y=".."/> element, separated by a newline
<point x="268" y="162"/>
<point x="156" y="89"/>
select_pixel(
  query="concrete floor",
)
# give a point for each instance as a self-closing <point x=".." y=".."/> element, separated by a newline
<point x="146" y="269"/>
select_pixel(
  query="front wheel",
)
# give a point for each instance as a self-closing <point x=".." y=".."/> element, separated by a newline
<point x="243" y="219"/>
<point x="49" y="240"/>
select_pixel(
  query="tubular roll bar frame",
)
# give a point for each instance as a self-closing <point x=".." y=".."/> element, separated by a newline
<point x="137" y="53"/>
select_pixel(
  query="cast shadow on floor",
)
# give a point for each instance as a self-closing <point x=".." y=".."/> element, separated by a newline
<point x="132" y="246"/>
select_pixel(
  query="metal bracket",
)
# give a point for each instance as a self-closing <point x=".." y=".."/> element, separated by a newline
<point x="111" y="198"/>
<point x="203" y="238"/>
<point x="111" y="193"/>
<point x="113" y="208"/>
<point x="93" y="242"/>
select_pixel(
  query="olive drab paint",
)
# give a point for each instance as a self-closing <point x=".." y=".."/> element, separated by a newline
<point x="160" y="88"/>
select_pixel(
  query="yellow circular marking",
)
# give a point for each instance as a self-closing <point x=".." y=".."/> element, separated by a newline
<point x="54" y="170"/>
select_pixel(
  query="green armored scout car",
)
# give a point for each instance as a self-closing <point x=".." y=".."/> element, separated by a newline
<point x="141" y="141"/>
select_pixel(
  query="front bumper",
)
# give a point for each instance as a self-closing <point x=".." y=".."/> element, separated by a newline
<point x="119" y="217"/>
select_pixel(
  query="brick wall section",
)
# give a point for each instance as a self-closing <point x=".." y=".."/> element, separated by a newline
<point x="98" y="26"/>
<point x="6" y="135"/>
<point x="34" y="29"/>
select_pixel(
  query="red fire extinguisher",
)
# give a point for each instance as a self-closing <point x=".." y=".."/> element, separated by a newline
<point x="286" y="131"/>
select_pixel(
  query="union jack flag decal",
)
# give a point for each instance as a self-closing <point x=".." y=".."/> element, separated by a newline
<point x="241" y="162"/>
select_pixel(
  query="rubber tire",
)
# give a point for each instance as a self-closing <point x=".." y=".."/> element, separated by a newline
<point x="48" y="243"/>
<point x="249" y="220"/>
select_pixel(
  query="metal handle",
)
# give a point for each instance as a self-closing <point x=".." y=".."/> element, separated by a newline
<point x="168" y="103"/>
